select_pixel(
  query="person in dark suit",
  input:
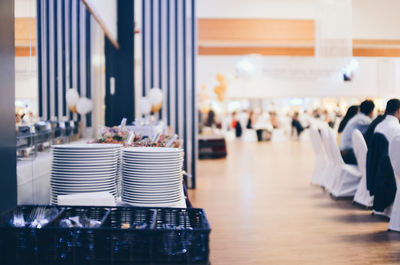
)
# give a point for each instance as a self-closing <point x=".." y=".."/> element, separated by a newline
<point x="381" y="182"/>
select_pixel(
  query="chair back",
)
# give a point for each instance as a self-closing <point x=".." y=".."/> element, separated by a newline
<point x="316" y="141"/>
<point x="360" y="151"/>
<point x="337" y="157"/>
<point x="394" y="154"/>
<point x="326" y="145"/>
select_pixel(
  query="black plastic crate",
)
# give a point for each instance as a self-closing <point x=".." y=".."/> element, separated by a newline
<point x="182" y="236"/>
<point x="124" y="235"/>
<point x="21" y="245"/>
<point x="83" y="245"/>
<point x="130" y="239"/>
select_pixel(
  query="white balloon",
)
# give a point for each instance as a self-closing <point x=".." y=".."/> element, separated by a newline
<point x="84" y="106"/>
<point x="144" y="106"/>
<point x="155" y="96"/>
<point x="72" y="97"/>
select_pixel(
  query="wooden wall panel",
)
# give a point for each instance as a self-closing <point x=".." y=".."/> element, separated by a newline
<point x="376" y="52"/>
<point x="280" y="37"/>
<point x="255" y="31"/>
<point x="25" y="32"/>
<point x="268" y="51"/>
<point x="25" y="51"/>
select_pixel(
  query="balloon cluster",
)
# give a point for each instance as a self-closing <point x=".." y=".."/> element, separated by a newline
<point x="77" y="104"/>
<point x="220" y="89"/>
<point x="151" y="103"/>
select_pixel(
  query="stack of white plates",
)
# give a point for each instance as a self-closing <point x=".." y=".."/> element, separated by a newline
<point x="152" y="176"/>
<point x="82" y="168"/>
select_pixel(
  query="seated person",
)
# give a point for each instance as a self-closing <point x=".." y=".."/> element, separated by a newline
<point x="380" y="176"/>
<point x="391" y="107"/>
<point x="361" y="121"/>
<point x="297" y="125"/>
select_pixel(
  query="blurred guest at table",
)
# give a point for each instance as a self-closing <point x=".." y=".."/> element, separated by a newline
<point x="296" y="125"/>
<point x="236" y="125"/>
<point x="250" y="120"/>
<point x="351" y="112"/>
<point x="381" y="182"/>
<point x="273" y="119"/>
<point x="210" y="118"/>
<point x="361" y="121"/>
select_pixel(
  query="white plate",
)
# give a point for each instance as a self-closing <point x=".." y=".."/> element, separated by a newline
<point x="155" y="166"/>
<point x="151" y="178"/>
<point x="86" y="146"/>
<point x="146" y="175"/>
<point x="151" y="201"/>
<point x="85" y="159"/>
<point x="82" y="173"/>
<point x="150" y="160"/>
<point x="81" y="151"/>
<point x="151" y="172"/>
<point x="74" y="169"/>
<point x="152" y="150"/>
<point x="94" y="156"/>
<point x="82" y="181"/>
<point x="166" y="192"/>
<point x="152" y="163"/>
<point x="153" y="183"/>
<point x="92" y="163"/>
<point x="83" y="169"/>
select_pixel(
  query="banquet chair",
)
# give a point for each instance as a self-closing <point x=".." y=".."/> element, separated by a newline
<point x="321" y="164"/>
<point x="331" y="169"/>
<point x="362" y="195"/>
<point x="249" y="135"/>
<point x="348" y="178"/>
<point x="394" y="154"/>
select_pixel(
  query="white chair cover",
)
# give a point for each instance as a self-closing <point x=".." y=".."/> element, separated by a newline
<point x="278" y="135"/>
<point x="321" y="163"/>
<point x="332" y="169"/>
<point x="249" y="135"/>
<point x="346" y="182"/>
<point x="360" y="150"/>
<point x="394" y="154"/>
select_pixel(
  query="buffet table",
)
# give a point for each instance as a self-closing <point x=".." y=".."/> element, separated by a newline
<point x="212" y="146"/>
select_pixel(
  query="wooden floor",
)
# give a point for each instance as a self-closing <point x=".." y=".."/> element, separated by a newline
<point x="263" y="210"/>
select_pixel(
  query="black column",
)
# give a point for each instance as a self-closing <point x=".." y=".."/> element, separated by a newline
<point x="120" y="65"/>
<point x="8" y="176"/>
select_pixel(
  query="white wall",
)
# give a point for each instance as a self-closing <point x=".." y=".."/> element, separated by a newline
<point x="304" y="77"/>
<point x="26" y="83"/>
<point x="376" y="19"/>
<point x="287" y="9"/>
<point x="372" y="19"/>
<point x="25" y="8"/>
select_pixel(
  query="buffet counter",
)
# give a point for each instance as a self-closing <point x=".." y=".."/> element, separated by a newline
<point x="33" y="179"/>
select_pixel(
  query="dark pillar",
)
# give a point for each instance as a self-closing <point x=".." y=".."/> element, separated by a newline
<point x="120" y="65"/>
<point x="8" y="175"/>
